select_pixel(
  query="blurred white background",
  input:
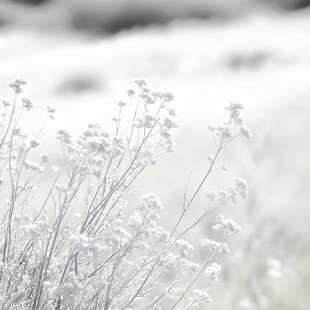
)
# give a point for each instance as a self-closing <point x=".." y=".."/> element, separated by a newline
<point x="82" y="56"/>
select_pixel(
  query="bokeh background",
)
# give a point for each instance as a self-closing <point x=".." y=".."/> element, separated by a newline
<point x="82" y="55"/>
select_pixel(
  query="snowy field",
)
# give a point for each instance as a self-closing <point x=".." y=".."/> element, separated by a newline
<point x="260" y="60"/>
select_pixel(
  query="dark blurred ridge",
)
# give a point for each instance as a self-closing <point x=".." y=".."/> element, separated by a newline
<point x="32" y="2"/>
<point x="111" y="16"/>
<point x="129" y="18"/>
<point x="286" y="4"/>
<point x="291" y="4"/>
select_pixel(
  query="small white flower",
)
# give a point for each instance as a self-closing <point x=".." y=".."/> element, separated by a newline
<point x="168" y="96"/>
<point x="17" y="85"/>
<point x="6" y="103"/>
<point x="61" y="188"/>
<point x="199" y="296"/>
<point x="225" y="167"/>
<point x="34" y="143"/>
<point x="45" y="158"/>
<point x="121" y="103"/>
<point x="33" y="166"/>
<point x="50" y="109"/>
<point x="214" y="246"/>
<point x="246" y="132"/>
<point x="184" y="246"/>
<point x="242" y="187"/>
<point x="223" y="195"/>
<point x="27" y="104"/>
<point x="211" y="158"/>
<point x="130" y="92"/>
<point x="188" y="264"/>
<point x="140" y="82"/>
<point x="171" y="111"/>
<point x="230" y="227"/>
<point x="213" y="271"/>
<point x="234" y="111"/>
<point x="211" y="195"/>
<point x="64" y="136"/>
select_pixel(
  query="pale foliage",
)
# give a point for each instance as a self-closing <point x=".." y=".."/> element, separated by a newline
<point x="108" y="255"/>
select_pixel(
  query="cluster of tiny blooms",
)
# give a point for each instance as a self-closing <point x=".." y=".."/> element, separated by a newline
<point x="80" y="243"/>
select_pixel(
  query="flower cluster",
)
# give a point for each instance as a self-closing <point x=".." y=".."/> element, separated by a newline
<point x="213" y="271"/>
<point x="82" y="242"/>
<point x="214" y="246"/>
<point x="17" y="85"/>
<point x="228" y="225"/>
<point x="231" y="129"/>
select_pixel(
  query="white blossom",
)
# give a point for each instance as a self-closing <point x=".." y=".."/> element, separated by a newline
<point x="34" y="143"/>
<point x="86" y="243"/>
<point x="245" y="131"/>
<point x="17" y="85"/>
<point x="27" y="104"/>
<point x="45" y="158"/>
<point x="213" y="271"/>
<point x="230" y="227"/>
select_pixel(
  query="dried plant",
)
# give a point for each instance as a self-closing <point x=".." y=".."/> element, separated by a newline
<point x="84" y="246"/>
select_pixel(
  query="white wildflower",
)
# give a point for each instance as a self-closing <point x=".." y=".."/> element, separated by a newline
<point x="184" y="246"/>
<point x="234" y="111"/>
<point x="130" y="92"/>
<point x="211" y="158"/>
<point x="17" y="85"/>
<point x="168" y="96"/>
<point x="223" y="195"/>
<point x="33" y="166"/>
<point x="213" y="271"/>
<point x="27" y="104"/>
<point x="51" y="109"/>
<point x="230" y="227"/>
<point x="45" y="158"/>
<point x="214" y="246"/>
<point x="188" y="264"/>
<point x="61" y="188"/>
<point x="121" y="104"/>
<point x="199" y="296"/>
<point x="225" y="167"/>
<point x="242" y="187"/>
<point x="6" y="103"/>
<point x="34" y="143"/>
<point x="211" y="195"/>
<point x="245" y="131"/>
<point x="171" y="111"/>
<point x="140" y="82"/>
